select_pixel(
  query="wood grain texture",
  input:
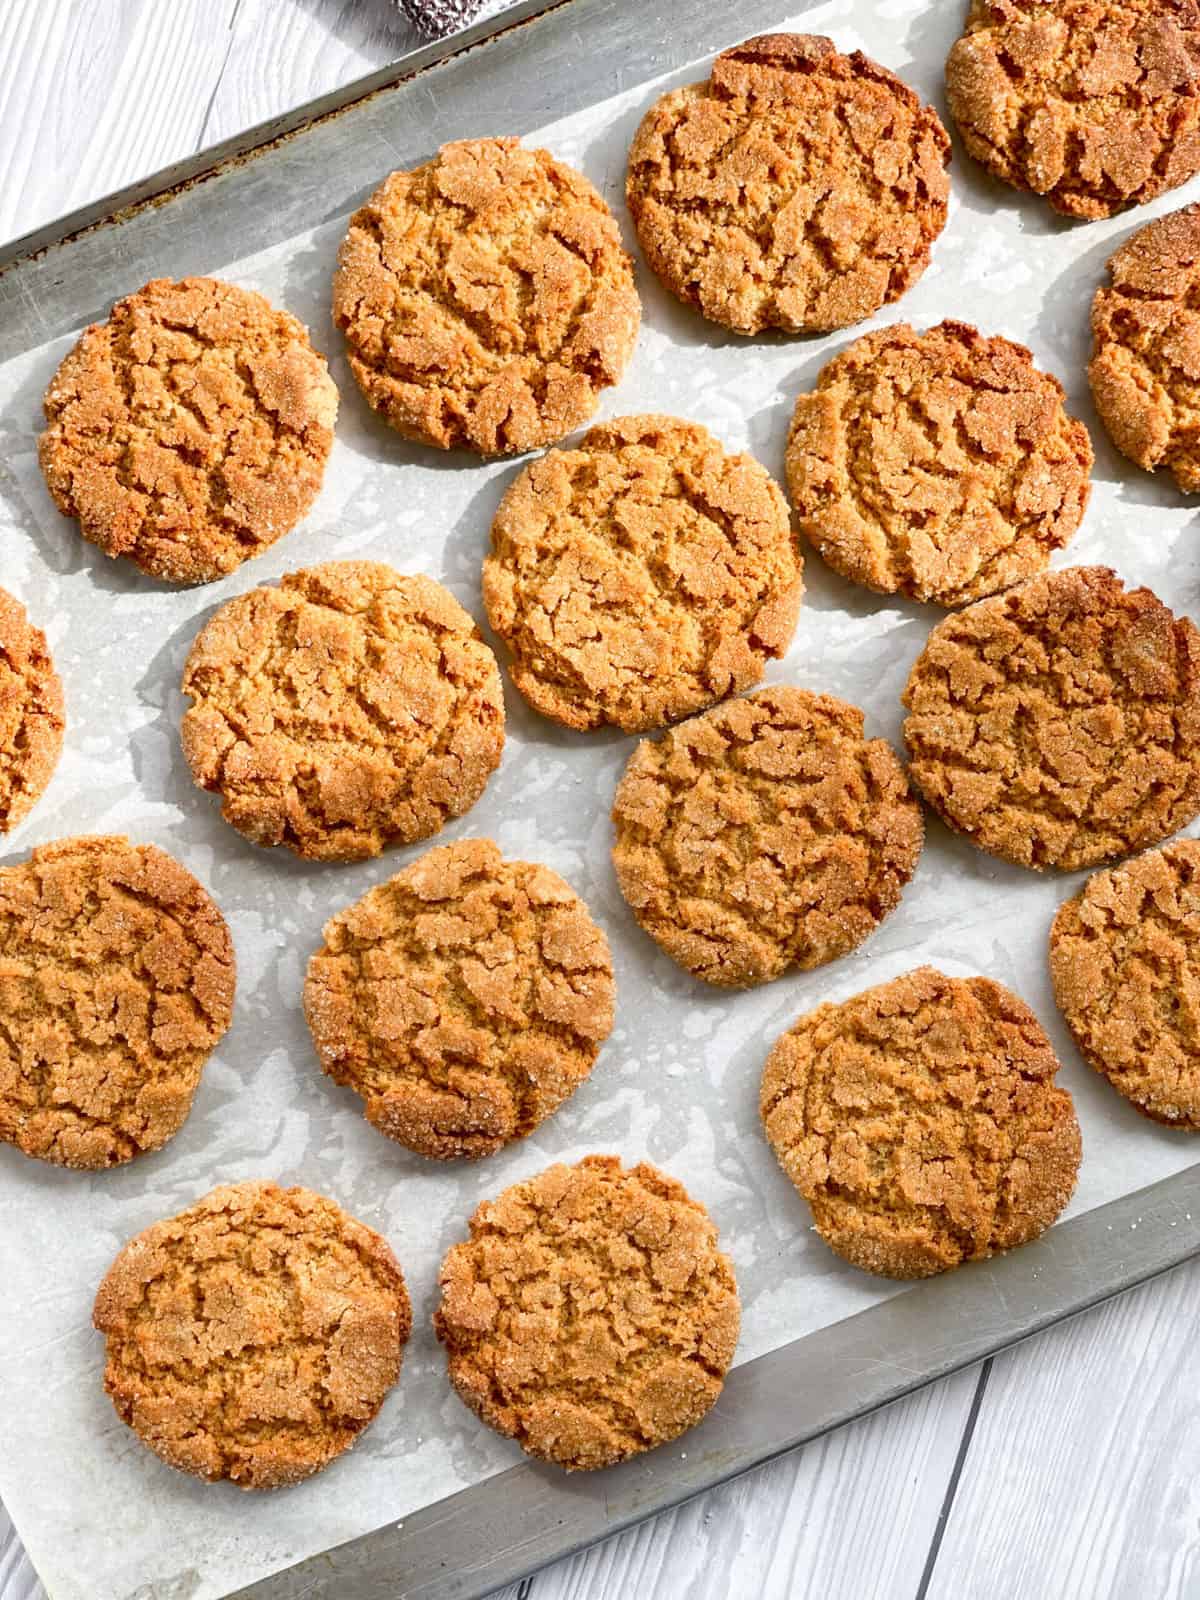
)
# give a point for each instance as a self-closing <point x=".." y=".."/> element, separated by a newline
<point x="88" y="104"/>
<point x="849" y="1517"/>
<point x="1078" y="1479"/>
<point x="1083" y="1473"/>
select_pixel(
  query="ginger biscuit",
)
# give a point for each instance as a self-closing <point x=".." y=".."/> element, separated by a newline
<point x="32" y="717"/>
<point x="464" y="999"/>
<point x="253" y="1336"/>
<point x="1145" y="366"/>
<point x="939" y="465"/>
<point x="190" y="430"/>
<point x="347" y="710"/>
<point x="641" y="576"/>
<point x="1058" y="725"/>
<point x="1094" y="104"/>
<point x="486" y="298"/>
<point x="921" y="1122"/>
<point x="1125" y="960"/>
<point x="766" y="834"/>
<point x="590" y="1315"/>
<point x="797" y="188"/>
<point x="116" y="983"/>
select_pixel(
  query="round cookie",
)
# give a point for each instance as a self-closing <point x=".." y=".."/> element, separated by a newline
<point x="32" y="717"/>
<point x="1058" y="725"/>
<point x="116" y="982"/>
<point x="590" y="1315"/>
<point x="1125" y="961"/>
<point x="486" y="298"/>
<point x="1145" y="366"/>
<point x="764" y="835"/>
<point x="254" y="1335"/>
<point x="939" y="465"/>
<point x="1094" y="104"/>
<point x="349" y="709"/>
<point x="641" y="576"/>
<point x="796" y="189"/>
<point x="464" y="999"/>
<point x="190" y="430"/>
<point x="921" y="1122"/>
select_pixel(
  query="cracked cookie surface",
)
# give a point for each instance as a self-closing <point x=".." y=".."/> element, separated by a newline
<point x="253" y="1336"/>
<point x="464" y="999"/>
<point x="1145" y="366"/>
<point x="939" y="465"/>
<point x="347" y="710"/>
<point x="1125" y="961"/>
<point x="765" y="834"/>
<point x="1094" y="104"/>
<point x="486" y="298"/>
<point x="797" y="188"/>
<point x="921" y="1122"/>
<point x="32" y="716"/>
<point x="190" y="430"/>
<point x="116" y="982"/>
<point x="642" y="575"/>
<point x="590" y="1315"/>
<point x="1058" y="725"/>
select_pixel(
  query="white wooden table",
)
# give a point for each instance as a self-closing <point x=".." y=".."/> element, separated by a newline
<point x="1067" y="1468"/>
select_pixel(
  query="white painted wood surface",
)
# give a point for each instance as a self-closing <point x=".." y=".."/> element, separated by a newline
<point x="1068" y="1468"/>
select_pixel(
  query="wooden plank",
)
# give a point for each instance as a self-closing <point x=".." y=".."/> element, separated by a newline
<point x="93" y="98"/>
<point x="1080" y="1478"/>
<point x="18" y="1581"/>
<point x="286" y="52"/>
<point x="850" y="1517"/>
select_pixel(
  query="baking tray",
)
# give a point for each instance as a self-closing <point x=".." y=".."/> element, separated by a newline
<point x="539" y="61"/>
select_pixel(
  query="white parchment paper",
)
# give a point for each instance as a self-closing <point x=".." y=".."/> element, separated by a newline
<point x="678" y="1081"/>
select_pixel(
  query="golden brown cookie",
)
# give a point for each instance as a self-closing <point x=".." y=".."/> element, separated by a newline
<point x="1145" y="366"/>
<point x="590" y="1315"/>
<point x="641" y="576"/>
<point x="190" y="430"/>
<point x="464" y="999"/>
<point x="764" y="835"/>
<point x="486" y="298"/>
<point x="797" y="189"/>
<point x="940" y="465"/>
<point x="1058" y="725"/>
<point x="254" y="1335"/>
<point x="921" y="1122"/>
<point x="1094" y="104"/>
<point x="116" y="983"/>
<point x="347" y="710"/>
<point x="32" y="718"/>
<point x="1125" y="960"/>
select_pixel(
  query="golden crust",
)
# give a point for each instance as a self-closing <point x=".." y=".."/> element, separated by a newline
<point x="1145" y="366"/>
<point x="464" y="999"/>
<point x="254" y="1335"/>
<point x="764" y="835"/>
<point x="590" y="1315"/>
<point x="641" y="576"/>
<point x="797" y="188"/>
<point x="940" y="465"/>
<point x="921" y="1122"/>
<point x="32" y="716"/>
<point x="347" y="710"/>
<point x="117" y="978"/>
<point x="1058" y="725"/>
<point x="486" y="298"/>
<point x="190" y="430"/>
<point x="1125" y="960"/>
<point x="1094" y="104"/>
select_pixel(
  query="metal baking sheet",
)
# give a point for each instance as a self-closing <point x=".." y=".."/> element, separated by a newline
<point x="430" y="1504"/>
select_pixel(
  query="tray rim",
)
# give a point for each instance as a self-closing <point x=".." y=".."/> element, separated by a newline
<point x="519" y="1520"/>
